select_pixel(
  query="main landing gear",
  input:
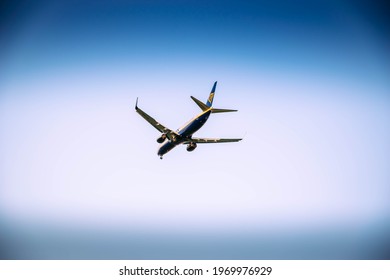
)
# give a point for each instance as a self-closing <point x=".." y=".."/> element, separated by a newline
<point x="161" y="157"/>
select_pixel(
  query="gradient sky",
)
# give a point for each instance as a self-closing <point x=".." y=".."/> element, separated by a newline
<point x="79" y="173"/>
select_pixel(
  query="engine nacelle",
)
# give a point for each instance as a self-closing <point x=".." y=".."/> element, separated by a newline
<point x="191" y="146"/>
<point x="162" y="138"/>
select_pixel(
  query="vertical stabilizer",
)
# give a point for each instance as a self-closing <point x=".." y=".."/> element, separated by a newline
<point x="209" y="103"/>
<point x="211" y="96"/>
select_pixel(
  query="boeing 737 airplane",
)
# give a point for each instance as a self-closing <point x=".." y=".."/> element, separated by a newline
<point x="170" y="139"/>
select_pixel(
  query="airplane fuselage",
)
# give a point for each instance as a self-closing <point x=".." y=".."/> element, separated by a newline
<point x="184" y="133"/>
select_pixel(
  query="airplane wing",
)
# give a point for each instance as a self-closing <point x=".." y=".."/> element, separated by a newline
<point x="213" y="140"/>
<point x="163" y="129"/>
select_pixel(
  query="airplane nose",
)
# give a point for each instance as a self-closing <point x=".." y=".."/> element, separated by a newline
<point x="160" y="151"/>
<point x="165" y="148"/>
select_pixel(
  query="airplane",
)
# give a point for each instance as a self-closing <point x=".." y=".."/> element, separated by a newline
<point x="170" y="139"/>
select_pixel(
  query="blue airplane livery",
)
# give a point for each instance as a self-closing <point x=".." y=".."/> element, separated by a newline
<point x="170" y="139"/>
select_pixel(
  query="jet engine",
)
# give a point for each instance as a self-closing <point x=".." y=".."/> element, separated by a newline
<point x="191" y="146"/>
<point x="162" y="138"/>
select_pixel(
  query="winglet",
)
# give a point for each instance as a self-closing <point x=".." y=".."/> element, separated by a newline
<point x="136" y="103"/>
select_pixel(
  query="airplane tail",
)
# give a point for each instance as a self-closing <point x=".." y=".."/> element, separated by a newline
<point x="209" y="103"/>
<point x="211" y="96"/>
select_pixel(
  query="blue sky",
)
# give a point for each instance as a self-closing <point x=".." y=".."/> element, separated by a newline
<point x="80" y="177"/>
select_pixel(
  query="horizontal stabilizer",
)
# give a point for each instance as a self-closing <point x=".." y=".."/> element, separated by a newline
<point x="202" y="106"/>
<point x="222" y="110"/>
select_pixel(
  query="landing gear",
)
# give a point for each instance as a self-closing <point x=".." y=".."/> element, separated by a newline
<point x="160" y="157"/>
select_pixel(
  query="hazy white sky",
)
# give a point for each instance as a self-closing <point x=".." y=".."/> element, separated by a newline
<point x="313" y="113"/>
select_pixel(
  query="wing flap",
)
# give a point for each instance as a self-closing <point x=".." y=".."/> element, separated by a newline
<point x="213" y="140"/>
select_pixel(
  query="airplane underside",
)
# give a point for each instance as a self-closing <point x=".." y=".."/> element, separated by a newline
<point x="169" y="139"/>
